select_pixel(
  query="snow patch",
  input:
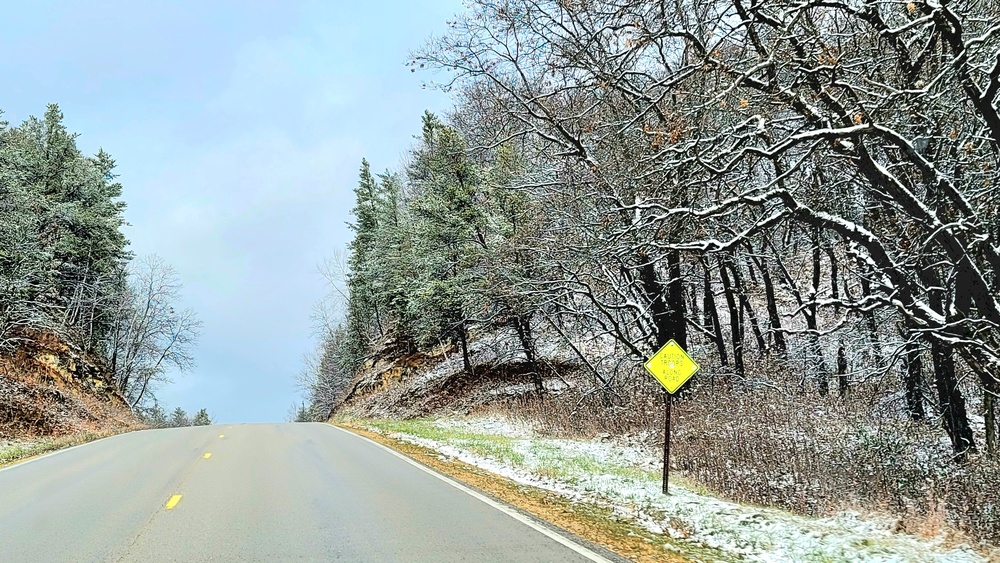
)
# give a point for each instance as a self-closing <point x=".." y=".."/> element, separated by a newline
<point x="625" y="479"/>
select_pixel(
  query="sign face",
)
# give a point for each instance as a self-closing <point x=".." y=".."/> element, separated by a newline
<point x="671" y="366"/>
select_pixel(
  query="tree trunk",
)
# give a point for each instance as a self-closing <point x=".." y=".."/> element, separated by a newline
<point x="842" y="371"/>
<point x="746" y="308"/>
<point x="712" y="317"/>
<point x="834" y="277"/>
<point x="990" y="416"/>
<point x="876" y="344"/>
<point x="913" y="379"/>
<point x="665" y="321"/>
<point x="818" y="363"/>
<point x="772" y="307"/>
<point x="708" y="301"/>
<point x="954" y="414"/>
<point x="736" y="329"/>
<point x="522" y="324"/>
<point x="952" y="403"/>
<point x="750" y="270"/>
<point x="675" y="299"/>
<point x="696" y="312"/>
<point x="463" y="339"/>
<point x="812" y="324"/>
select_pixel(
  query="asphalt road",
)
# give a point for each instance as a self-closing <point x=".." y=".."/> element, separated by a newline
<point x="267" y="492"/>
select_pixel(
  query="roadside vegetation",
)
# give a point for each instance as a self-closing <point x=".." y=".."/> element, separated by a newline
<point x="12" y="451"/>
<point x="801" y="195"/>
<point x="87" y="330"/>
<point x="690" y="522"/>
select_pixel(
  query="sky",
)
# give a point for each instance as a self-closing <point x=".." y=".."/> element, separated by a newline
<point x="238" y="129"/>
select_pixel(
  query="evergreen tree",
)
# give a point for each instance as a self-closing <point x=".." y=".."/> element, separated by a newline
<point x="201" y="418"/>
<point x="364" y="317"/>
<point x="441" y="252"/>
<point x="303" y="414"/>
<point x="156" y="417"/>
<point x="179" y="418"/>
<point x="449" y="232"/>
<point x="64" y="267"/>
<point x="61" y="219"/>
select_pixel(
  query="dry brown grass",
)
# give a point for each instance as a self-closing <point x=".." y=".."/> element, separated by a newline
<point x="781" y="446"/>
<point x="816" y="456"/>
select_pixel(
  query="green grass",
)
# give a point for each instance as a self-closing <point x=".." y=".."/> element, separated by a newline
<point x="564" y="461"/>
<point x="560" y="463"/>
<point x="546" y="459"/>
<point x="495" y="447"/>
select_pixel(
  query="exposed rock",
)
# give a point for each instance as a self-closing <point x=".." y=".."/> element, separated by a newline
<point x="48" y="387"/>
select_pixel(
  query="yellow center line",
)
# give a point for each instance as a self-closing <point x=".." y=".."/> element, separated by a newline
<point x="173" y="501"/>
<point x="207" y="455"/>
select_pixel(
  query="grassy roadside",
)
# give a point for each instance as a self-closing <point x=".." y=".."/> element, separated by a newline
<point x="597" y="524"/>
<point x="17" y="452"/>
<point x="614" y="488"/>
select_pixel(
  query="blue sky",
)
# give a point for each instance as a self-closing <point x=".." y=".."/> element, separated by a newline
<point x="238" y="129"/>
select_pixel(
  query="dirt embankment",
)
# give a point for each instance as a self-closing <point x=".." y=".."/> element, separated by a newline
<point x="406" y="386"/>
<point x="49" y="388"/>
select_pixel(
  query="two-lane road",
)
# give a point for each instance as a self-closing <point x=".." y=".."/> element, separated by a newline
<point x="253" y="492"/>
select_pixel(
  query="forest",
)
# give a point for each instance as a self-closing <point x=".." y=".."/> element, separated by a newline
<point x="801" y="194"/>
<point x="66" y="270"/>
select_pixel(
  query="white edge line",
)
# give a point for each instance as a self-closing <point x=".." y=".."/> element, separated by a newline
<point x="23" y="462"/>
<point x="584" y="551"/>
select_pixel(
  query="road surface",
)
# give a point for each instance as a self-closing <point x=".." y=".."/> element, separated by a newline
<point x="252" y="492"/>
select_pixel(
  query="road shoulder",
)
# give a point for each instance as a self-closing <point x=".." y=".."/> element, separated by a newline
<point x="22" y="451"/>
<point x="599" y="529"/>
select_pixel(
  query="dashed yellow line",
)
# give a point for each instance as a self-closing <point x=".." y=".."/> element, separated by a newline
<point x="207" y="455"/>
<point x="173" y="501"/>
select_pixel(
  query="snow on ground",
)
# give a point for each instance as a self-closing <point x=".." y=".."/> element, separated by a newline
<point x="627" y="480"/>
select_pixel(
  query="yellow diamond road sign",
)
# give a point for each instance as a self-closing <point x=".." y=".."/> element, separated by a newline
<point x="671" y="366"/>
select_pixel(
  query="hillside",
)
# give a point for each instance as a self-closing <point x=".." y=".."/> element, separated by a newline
<point x="50" y="390"/>
<point x="768" y="480"/>
<point x="424" y="384"/>
<point x="88" y="329"/>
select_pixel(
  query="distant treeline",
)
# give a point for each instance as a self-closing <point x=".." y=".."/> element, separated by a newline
<point x="156" y="417"/>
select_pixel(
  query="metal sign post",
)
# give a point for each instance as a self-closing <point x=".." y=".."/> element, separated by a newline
<point x="668" y="399"/>
<point x="672" y="367"/>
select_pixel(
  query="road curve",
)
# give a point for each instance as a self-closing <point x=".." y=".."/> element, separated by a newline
<point x="267" y="492"/>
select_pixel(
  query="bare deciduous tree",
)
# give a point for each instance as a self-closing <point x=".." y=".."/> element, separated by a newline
<point x="700" y="126"/>
<point x="149" y="335"/>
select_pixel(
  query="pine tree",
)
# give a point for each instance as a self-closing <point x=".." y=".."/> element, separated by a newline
<point x="201" y="418"/>
<point x="449" y="230"/>
<point x="156" y="417"/>
<point x="61" y="221"/>
<point x="303" y="414"/>
<point x="364" y="317"/>
<point x="179" y="418"/>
